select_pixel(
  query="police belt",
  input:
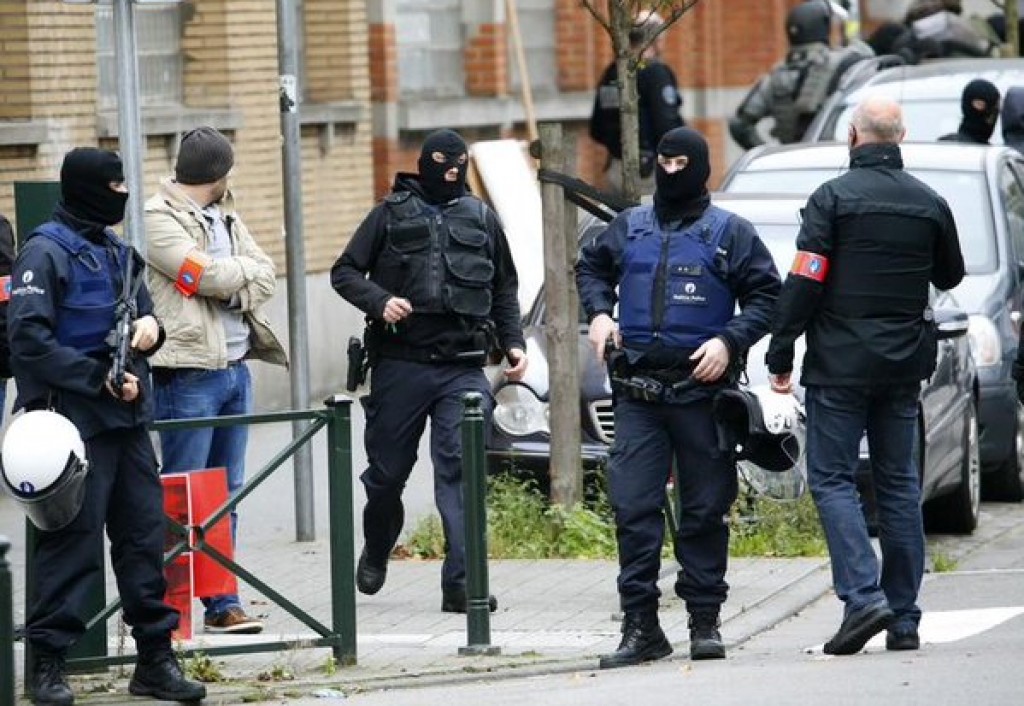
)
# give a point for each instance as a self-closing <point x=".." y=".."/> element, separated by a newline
<point x="477" y="358"/>
<point x="648" y="389"/>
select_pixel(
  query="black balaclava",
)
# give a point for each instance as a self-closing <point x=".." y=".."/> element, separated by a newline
<point x="979" y="122"/>
<point x="676" y="194"/>
<point x="85" y="178"/>
<point x="450" y="144"/>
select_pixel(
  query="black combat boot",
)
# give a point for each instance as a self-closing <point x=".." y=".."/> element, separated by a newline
<point x="705" y="640"/>
<point x="642" y="641"/>
<point x="49" y="680"/>
<point x="158" y="674"/>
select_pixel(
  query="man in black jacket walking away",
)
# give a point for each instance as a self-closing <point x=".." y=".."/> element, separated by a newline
<point x="871" y="242"/>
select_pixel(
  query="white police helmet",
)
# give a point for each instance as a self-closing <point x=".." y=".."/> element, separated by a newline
<point x="766" y="430"/>
<point x="44" y="468"/>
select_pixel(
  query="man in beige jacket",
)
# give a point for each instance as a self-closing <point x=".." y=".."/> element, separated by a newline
<point x="208" y="279"/>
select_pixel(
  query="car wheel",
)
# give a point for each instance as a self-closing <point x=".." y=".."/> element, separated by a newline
<point x="1006" y="483"/>
<point x="958" y="511"/>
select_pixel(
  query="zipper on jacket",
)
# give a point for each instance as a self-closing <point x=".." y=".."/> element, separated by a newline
<point x="658" y="309"/>
<point x="435" y="259"/>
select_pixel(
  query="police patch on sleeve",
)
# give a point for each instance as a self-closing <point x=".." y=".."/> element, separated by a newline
<point x="670" y="95"/>
<point x="811" y="265"/>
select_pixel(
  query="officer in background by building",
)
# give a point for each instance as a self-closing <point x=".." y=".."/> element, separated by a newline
<point x="658" y="104"/>
<point x="979" y="104"/>
<point x="431" y="268"/>
<point x="795" y="89"/>
<point x="1012" y="114"/>
<point x="210" y="281"/>
<point x="871" y="242"/>
<point x="679" y="268"/>
<point x="67" y="282"/>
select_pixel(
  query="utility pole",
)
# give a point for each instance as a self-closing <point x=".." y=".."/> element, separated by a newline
<point x="295" y="259"/>
<point x="129" y="121"/>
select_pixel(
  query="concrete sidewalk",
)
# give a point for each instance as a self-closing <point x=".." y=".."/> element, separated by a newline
<point x="552" y="616"/>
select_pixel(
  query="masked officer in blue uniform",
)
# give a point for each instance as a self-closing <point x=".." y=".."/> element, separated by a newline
<point x="681" y="266"/>
<point x="66" y="284"/>
<point x="440" y="280"/>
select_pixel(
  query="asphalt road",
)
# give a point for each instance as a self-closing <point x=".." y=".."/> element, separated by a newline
<point x="973" y="635"/>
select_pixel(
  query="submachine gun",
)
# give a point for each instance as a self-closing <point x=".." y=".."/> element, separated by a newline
<point x="120" y="338"/>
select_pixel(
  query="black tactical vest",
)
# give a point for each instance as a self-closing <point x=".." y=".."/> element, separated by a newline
<point x="437" y="257"/>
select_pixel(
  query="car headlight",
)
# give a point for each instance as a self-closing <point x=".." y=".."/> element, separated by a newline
<point x="519" y="412"/>
<point x="986" y="348"/>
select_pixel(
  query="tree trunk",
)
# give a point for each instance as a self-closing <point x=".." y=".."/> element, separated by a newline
<point x="561" y="325"/>
<point x="1012" y="16"/>
<point x="626" y="63"/>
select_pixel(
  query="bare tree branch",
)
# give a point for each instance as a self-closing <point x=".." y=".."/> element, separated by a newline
<point x="596" y="14"/>
<point x="618" y="18"/>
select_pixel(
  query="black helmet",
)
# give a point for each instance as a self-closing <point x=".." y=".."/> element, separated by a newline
<point x="44" y="468"/>
<point x="766" y="431"/>
<point x="809" y="22"/>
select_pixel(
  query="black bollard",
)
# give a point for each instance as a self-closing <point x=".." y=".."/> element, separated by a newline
<point x="474" y="485"/>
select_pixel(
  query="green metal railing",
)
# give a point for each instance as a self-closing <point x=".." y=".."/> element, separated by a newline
<point x="6" y="626"/>
<point x="90" y="652"/>
<point x="340" y="636"/>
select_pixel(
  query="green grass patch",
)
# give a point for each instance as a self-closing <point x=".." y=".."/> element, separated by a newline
<point x="943" y="563"/>
<point x="523" y="524"/>
<point x="769" y="528"/>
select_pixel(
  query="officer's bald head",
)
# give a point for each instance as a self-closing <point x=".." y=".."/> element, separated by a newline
<point x="877" y="119"/>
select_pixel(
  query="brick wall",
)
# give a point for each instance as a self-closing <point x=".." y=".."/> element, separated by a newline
<point x="15" y="99"/>
<point x="230" y="50"/>
<point x="486" y="62"/>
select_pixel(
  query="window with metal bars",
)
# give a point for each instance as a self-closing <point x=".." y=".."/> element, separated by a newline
<point x="158" y="40"/>
<point x="430" y="41"/>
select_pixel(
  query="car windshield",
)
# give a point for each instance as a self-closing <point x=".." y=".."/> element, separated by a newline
<point x="964" y="191"/>
<point x="925" y="120"/>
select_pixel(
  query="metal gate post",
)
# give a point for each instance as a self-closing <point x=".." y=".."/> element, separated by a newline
<point x="339" y="482"/>
<point x="6" y="626"/>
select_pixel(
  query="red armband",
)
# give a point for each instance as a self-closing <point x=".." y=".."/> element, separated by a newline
<point x="189" y="275"/>
<point x="810" y="265"/>
<point x="5" y="288"/>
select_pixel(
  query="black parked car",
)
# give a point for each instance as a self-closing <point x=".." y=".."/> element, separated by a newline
<point x="949" y="462"/>
<point x="984" y="186"/>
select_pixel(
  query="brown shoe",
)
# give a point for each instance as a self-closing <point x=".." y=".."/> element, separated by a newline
<point x="233" y="621"/>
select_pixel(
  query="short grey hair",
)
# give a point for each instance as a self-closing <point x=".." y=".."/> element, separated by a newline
<point x="879" y="117"/>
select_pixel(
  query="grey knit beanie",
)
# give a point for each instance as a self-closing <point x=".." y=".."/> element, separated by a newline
<point x="205" y="156"/>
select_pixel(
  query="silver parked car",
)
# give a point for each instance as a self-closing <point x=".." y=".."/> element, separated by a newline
<point x="984" y="186"/>
<point x="929" y="94"/>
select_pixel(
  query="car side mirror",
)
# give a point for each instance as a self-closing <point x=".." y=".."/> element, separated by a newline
<point x="951" y="323"/>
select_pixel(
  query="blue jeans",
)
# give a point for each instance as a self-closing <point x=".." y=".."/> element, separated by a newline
<point x="837" y="417"/>
<point x="187" y="393"/>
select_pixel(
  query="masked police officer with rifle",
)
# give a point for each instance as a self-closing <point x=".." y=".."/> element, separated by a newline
<point x="679" y="267"/>
<point x="66" y="285"/>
